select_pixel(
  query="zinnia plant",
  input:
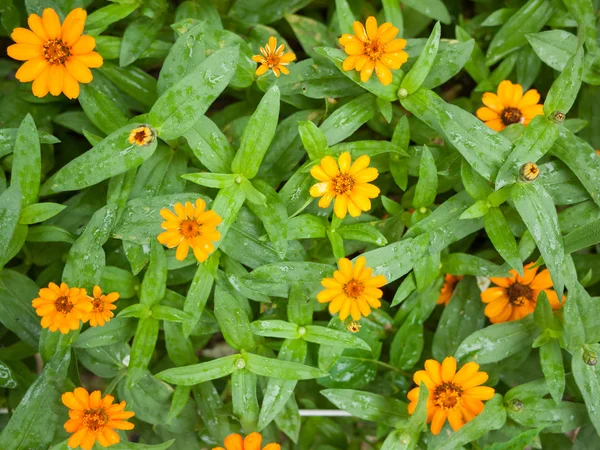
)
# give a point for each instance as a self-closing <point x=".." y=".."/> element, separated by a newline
<point x="299" y="225"/>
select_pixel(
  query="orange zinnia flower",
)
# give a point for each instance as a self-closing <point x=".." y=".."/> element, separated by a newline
<point x="516" y="296"/>
<point x="456" y="396"/>
<point x="509" y="106"/>
<point x="102" y="306"/>
<point x="191" y="227"/>
<point x="450" y="282"/>
<point x="348" y="184"/>
<point x="373" y="49"/>
<point x="273" y="58"/>
<point x="62" y="308"/>
<point x="252" y="442"/>
<point x="352" y="290"/>
<point x="93" y="418"/>
<point x="58" y="57"/>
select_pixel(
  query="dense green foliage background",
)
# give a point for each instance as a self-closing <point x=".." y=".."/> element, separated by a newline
<point x="79" y="204"/>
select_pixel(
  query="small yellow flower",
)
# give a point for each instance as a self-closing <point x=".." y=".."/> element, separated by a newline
<point x="141" y="136"/>
<point x="348" y="183"/>
<point x="352" y="290"/>
<point x="93" y="418"/>
<point x="375" y="49"/>
<point x="58" y="57"/>
<point x="509" y="106"/>
<point x="450" y="282"/>
<point x="515" y="297"/>
<point x="102" y="307"/>
<point x="353" y="326"/>
<point x="62" y="308"/>
<point x="456" y="396"/>
<point x="273" y="58"/>
<point x="191" y="227"/>
<point x="252" y="442"/>
<point x="529" y="171"/>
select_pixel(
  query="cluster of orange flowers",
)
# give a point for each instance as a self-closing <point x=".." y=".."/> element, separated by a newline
<point x="64" y="309"/>
<point x="513" y="297"/>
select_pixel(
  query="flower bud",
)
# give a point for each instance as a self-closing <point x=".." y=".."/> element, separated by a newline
<point x="529" y="171"/>
<point x="590" y="358"/>
<point x="558" y="117"/>
<point x="142" y="136"/>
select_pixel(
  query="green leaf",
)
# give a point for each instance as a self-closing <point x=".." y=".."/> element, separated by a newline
<point x="554" y="371"/>
<point x="497" y="342"/>
<point x="329" y="336"/>
<point x="426" y="188"/>
<point x="362" y="232"/>
<point x="311" y="34"/>
<point x="107" y="15"/>
<point x="587" y="378"/>
<point x="483" y="148"/>
<point x="368" y="406"/>
<point x="374" y="86"/>
<point x="535" y="142"/>
<point x="407" y="345"/>
<point x="101" y="110"/>
<point x="161" y="312"/>
<point x="227" y="204"/>
<point x="33" y="424"/>
<point x="233" y="320"/>
<point x="39" y="212"/>
<point x="277" y="279"/>
<point x="184" y="103"/>
<point x="279" y="391"/>
<point x="313" y="139"/>
<point x="213" y="180"/>
<point x="113" y="156"/>
<point x="564" y="90"/>
<point x="210" y="145"/>
<point x="435" y="9"/>
<point x="26" y="164"/>
<point x="138" y="36"/>
<point x="199" y="291"/>
<point x="538" y="212"/>
<point x="499" y="233"/>
<point x="264" y="11"/>
<point x="461" y="317"/>
<point x="520" y="441"/>
<point x="300" y="306"/>
<point x="133" y="81"/>
<point x="583" y="12"/>
<point x="155" y="281"/>
<point x="245" y="403"/>
<point x="10" y="207"/>
<point x="87" y="259"/>
<point x="200" y="373"/>
<point x="282" y="369"/>
<point x="393" y="14"/>
<point x="396" y="260"/>
<point x="419" y="71"/>
<point x="275" y="328"/>
<point x="345" y="17"/>
<point x="258" y="135"/>
<point x="475" y="66"/>
<point x="142" y="349"/>
<point x="16" y="314"/>
<point x="575" y="153"/>
<point x="273" y="215"/>
<point x="116" y="330"/>
<point x="479" y="209"/>
<point x="530" y="18"/>
<point x="493" y="417"/>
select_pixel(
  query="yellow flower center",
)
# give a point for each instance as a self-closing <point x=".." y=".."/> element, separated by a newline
<point x="63" y="305"/>
<point x="511" y="115"/>
<point x="189" y="228"/>
<point x="447" y="396"/>
<point x="98" y="305"/>
<point x="342" y="184"/>
<point x="272" y="60"/>
<point x="373" y="49"/>
<point x="94" y="419"/>
<point x="519" y="294"/>
<point x="56" y="51"/>
<point x="354" y="289"/>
